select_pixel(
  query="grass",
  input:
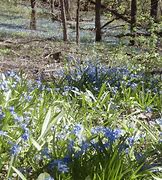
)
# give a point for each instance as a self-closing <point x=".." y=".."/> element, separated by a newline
<point x="94" y="122"/>
<point x="4" y="51"/>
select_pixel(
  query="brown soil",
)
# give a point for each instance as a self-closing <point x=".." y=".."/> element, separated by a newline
<point x="35" y="57"/>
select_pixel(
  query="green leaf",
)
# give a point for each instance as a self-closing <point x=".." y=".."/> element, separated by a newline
<point x="45" y="123"/>
<point x="19" y="173"/>
<point x="101" y="91"/>
<point x="88" y="178"/>
<point x="156" y="178"/>
<point x="152" y="134"/>
<point x="43" y="176"/>
<point x="90" y="94"/>
<point x="35" y="143"/>
<point x="8" y="97"/>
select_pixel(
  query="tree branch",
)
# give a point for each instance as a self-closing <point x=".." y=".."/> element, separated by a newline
<point x="109" y="22"/>
<point x="114" y="12"/>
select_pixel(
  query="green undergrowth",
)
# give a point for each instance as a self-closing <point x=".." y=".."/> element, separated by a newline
<point x="94" y="122"/>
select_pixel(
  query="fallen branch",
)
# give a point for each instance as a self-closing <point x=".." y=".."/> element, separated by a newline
<point x="109" y="22"/>
<point x="118" y="26"/>
<point x="132" y="35"/>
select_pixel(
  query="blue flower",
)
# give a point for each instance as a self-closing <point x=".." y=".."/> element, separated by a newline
<point x="45" y="152"/>
<point x="91" y="72"/>
<point x="17" y="118"/>
<point x="25" y="136"/>
<point x="15" y="150"/>
<point x="52" y="164"/>
<point x="139" y="157"/>
<point x="4" y="86"/>
<point x="97" y="129"/>
<point x="112" y="135"/>
<point x="130" y="141"/>
<point x="133" y="86"/>
<point x="62" y="167"/>
<point x="71" y="146"/>
<point x="78" y="132"/>
<point x="66" y="159"/>
<point x="123" y="147"/>
<point x="3" y="133"/>
<point x="2" y="115"/>
<point x="28" y="98"/>
<point x="67" y="88"/>
<point x="148" y="109"/>
<point x="77" y="128"/>
<point x="12" y="110"/>
<point x="48" y="89"/>
<point x="24" y="127"/>
<point x="85" y="146"/>
<point x="10" y="73"/>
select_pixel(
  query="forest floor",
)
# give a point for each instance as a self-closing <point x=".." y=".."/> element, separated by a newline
<point x="41" y="50"/>
<point x="34" y="56"/>
<point x="36" y="51"/>
<point x="26" y="50"/>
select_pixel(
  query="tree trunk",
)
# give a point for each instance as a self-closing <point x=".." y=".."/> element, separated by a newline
<point x="56" y="3"/>
<point x="85" y="8"/>
<point x="77" y="22"/>
<point x="52" y="9"/>
<point x="97" y="20"/>
<point x="63" y="18"/>
<point x="33" y="3"/>
<point x="67" y="9"/>
<point x="154" y="9"/>
<point x="33" y="20"/>
<point x="112" y="11"/>
<point x="133" y="19"/>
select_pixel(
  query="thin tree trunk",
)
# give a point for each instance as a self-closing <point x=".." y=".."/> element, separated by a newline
<point x="33" y="3"/>
<point x="77" y="22"/>
<point x="56" y="3"/>
<point x="98" y="19"/>
<point x="154" y="9"/>
<point x="114" y="12"/>
<point x="67" y="9"/>
<point x="33" y="20"/>
<point x="133" y="19"/>
<point x="86" y="5"/>
<point x="52" y="9"/>
<point x="63" y="17"/>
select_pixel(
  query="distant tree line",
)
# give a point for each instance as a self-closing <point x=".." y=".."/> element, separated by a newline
<point x="135" y="13"/>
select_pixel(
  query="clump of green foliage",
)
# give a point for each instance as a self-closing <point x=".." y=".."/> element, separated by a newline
<point x="94" y="123"/>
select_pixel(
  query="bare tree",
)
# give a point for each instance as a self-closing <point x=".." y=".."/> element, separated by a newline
<point x="133" y="19"/>
<point x="67" y="9"/>
<point x="154" y="9"/>
<point x="33" y="15"/>
<point x="97" y="20"/>
<point x="56" y="3"/>
<point x="52" y="9"/>
<point x="86" y="5"/>
<point x="63" y="18"/>
<point x="77" y="22"/>
<point x="33" y="3"/>
<point x="33" y="20"/>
